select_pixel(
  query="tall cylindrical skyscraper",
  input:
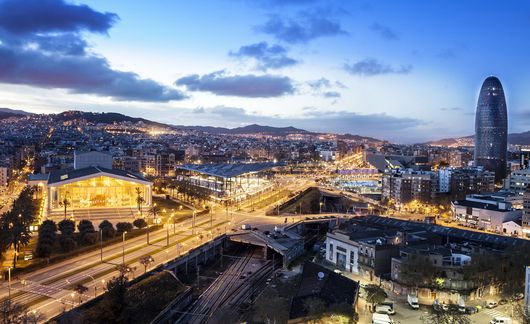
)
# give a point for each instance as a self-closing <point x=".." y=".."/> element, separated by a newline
<point x="491" y="128"/>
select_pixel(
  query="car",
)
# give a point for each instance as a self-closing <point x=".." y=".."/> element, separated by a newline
<point x="518" y="296"/>
<point x="246" y="227"/>
<point x="337" y="271"/>
<point x="471" y="310"/>
<point x="503" y="302"/>
<point x="384" y="309"/>
<point x="491" y="304"/>
<point x="501" y="320"/>
<point x="28" y="256"/>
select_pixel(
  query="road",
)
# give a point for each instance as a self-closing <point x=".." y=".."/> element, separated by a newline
<point x="49" y="290"/>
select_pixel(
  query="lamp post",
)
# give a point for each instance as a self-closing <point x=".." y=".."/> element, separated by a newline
<point x="9" y="282"/>
<point x="123" y="247"/>
<point x="101" y="242"/>
<point x="193" y="223"/>
<point x="320" y="205"/>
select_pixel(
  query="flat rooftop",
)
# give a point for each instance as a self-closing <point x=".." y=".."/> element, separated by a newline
<point x="229" y="170"/>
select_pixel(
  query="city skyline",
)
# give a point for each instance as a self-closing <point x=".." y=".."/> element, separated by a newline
<point x="314" y="65"/>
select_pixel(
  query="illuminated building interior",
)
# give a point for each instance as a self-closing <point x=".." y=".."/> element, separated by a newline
<point x="101" y="191"/>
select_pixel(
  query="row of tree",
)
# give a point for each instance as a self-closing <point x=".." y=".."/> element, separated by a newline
<point x="49" y="240"/>
<point x="15" y="223"/>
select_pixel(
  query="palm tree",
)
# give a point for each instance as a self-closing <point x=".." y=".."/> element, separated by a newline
<point x="146" y="261"/>
<point x="16" y="229"/>
<point x="139" y="200"/>
<point x="65" y="203"/>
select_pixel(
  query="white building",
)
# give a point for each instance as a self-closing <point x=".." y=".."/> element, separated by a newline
<point x="444" y="179"/>
<point x="341" y="253"/>
<point x="484" y="212"/>
<point x="517" y="181"/>
<point x="527" y="291"/>
<point x="513" y="228"/>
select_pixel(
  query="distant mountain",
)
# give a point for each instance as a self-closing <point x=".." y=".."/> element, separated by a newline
<point x="254" y="128"/>
<point x="110" y="118"/>
<point x="514" y="139"/>
<point x="14" y="111"/>
<point x="249" y="129"/>
<point x="103" y="118"/>
<point x="8" y="113"/>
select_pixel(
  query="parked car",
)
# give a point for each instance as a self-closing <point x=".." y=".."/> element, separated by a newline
<point x="518" y="296"/>
<point x="501" y="320"/>
<point x="246" y="227"/>
<point x="384" y="309"/>
<point x="503" y="302"/>
<point x="471" y="310"/>
<point x="28" y="256"/>
<point x="412" y="300"/>
<point x="491" y="304"/>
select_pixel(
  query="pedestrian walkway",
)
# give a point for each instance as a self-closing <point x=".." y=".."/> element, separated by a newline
<point x="493" y="312"/>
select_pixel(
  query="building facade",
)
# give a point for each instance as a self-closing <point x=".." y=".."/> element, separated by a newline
<point x="404" y="186"/>
<point x="491" y="128"/>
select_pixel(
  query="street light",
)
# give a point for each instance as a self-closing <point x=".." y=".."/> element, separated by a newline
<point x="9" y="282"/>
<point x="320" y="205"/>
<point x="101" y="242"/>
<point x="123" y="247"/>
<point x="193" y="223"/>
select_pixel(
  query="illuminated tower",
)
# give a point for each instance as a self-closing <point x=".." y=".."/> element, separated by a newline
<point x="491" y="128"/>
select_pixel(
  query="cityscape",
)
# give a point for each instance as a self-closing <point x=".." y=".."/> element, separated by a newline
<point x="268" y="161"/>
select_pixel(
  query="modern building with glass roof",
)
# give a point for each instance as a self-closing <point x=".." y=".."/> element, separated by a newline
<point x="235" y="181"/>
<point x="91" y="188"/>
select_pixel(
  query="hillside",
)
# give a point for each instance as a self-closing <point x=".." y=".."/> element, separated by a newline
<point x="513" y="139"/>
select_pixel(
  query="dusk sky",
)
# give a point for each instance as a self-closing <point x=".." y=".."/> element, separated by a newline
<point x="405" y="71"/>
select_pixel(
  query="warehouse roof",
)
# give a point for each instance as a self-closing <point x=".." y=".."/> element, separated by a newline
<point x="229" y="170"/>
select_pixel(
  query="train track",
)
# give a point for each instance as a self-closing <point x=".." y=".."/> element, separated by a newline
<point x="229" y="290"/>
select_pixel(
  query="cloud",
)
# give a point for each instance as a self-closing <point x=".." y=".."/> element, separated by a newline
<point x="384" y="31"/>
<point x="450" y="109"/>
<point x="308" y="25"/>
<point x="331" y="94"/>
<point x="372" y="67"/>
<point x="79" y="74"/>
<point x="322" y="88"/>
<point x="42" y="44"/>
<point x="38" y="16"/>
<point x="251" y="86"/>
<point x="267" y="57"/>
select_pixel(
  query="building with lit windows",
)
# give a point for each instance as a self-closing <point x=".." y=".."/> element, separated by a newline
<point x="93" y="190"/>
<point x="491" y="128"/>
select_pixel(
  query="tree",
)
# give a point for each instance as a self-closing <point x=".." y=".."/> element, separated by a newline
<point x="17" y="232"/>
<point x="122" y="227"/>
<point x="417" y="271"/>
<point x="146" y="261"/>
<point x="65" y="203"/>
<point x="107" y="229"/>
<point x="375" y="294"/>
<point x="450" y="316"/>
<point x="33" y="317"/>
<point x="154" y="211"/>
<point x="139" y="223"/>
<point x="80" y="290"/>
<point x="15" y="223"/>
<point x="139" y="200"/>
<point x="11" y="312"/>
<point x="314" y="306"/>
<point x="66" y="227"/>
<point x="84" y="227"/>
<point x="47" y="239"/>
<point x="115" y="299"/>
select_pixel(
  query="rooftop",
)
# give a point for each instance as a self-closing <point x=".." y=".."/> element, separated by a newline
<point x="63" y="175"/>
<point x="229" y="170"/>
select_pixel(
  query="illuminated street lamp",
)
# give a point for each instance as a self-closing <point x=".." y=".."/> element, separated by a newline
<point x="123" y="247"/>
<point x="320" y="207"/>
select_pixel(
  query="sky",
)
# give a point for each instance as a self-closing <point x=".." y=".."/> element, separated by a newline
<point x="404" y="71"/>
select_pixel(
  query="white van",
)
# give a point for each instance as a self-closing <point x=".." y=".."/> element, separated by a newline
<point x="501" y="320"/>
<point x="381" y="319"/>
<point x="384" y="309"/>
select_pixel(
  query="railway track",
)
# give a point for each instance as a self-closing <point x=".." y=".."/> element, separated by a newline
<point x="236" y="285"/>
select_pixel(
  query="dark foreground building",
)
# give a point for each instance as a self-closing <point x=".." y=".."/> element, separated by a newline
<point x="491" y="128"/>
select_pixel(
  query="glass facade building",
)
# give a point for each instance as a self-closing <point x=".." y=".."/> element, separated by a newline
<point x="491" y="128"/>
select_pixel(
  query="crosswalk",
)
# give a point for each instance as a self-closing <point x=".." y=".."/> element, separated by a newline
<point x="493" y="312"/>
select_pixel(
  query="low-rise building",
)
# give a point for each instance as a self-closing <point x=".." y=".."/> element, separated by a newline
<point x="484" y="212"/>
